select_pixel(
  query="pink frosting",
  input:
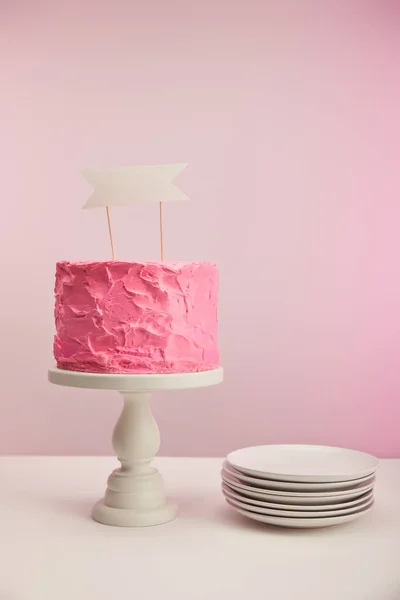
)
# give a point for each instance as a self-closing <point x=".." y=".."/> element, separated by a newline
<point x="136" y="317"/>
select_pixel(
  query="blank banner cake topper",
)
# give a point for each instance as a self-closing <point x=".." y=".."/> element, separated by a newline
<point x="116" y="186"/>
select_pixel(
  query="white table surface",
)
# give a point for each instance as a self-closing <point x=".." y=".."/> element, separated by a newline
<point x="50" y="549"/>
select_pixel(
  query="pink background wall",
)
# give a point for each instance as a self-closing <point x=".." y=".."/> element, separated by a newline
<point x="288" y="115"/>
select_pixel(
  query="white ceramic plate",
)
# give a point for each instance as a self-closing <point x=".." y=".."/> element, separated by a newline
<point x="300" y="463"/>
<point x="299" y="507"/>
<point x="297" y="513"/>
<point x="296" y="497"/>
<point x="301" y="523"/>
<point x="272" y="484"/>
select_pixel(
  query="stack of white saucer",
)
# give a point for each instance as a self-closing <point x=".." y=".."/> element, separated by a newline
<point x="299" y="486"/>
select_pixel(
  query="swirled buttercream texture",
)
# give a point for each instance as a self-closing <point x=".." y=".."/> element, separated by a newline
<point x="136" y="317"/>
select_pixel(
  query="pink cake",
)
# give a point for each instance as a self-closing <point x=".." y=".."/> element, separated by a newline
<point x="136" y="317"/>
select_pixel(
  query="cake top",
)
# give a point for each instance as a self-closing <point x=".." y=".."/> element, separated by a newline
<point x="169" y="264"/>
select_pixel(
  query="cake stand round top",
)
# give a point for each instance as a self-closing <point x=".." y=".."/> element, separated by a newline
<point x="131" y="382"/>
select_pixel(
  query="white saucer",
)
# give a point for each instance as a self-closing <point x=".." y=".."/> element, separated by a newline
<point x="302" y="523"/>
<point x="299" y="507"/>
<point x="297" y="513"/>
<point x="301" y="463"/>
<point x="297" y="497"/>
<point x="272" y="484"/>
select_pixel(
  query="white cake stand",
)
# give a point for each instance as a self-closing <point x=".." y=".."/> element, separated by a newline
<point x="135" y="492"/>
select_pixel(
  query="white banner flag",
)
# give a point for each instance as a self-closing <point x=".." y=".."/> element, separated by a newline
<point x="125" y="185"/>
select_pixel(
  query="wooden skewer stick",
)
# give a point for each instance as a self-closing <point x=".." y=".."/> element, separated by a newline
<point x="161" y="234"/>
<point x="110" y="233"/>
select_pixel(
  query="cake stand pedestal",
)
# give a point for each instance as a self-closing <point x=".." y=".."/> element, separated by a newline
<point x="135" y="492"/>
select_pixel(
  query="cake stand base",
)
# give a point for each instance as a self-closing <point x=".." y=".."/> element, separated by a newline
<point x="135" y="492"/>
<point x="130" y="517"/>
